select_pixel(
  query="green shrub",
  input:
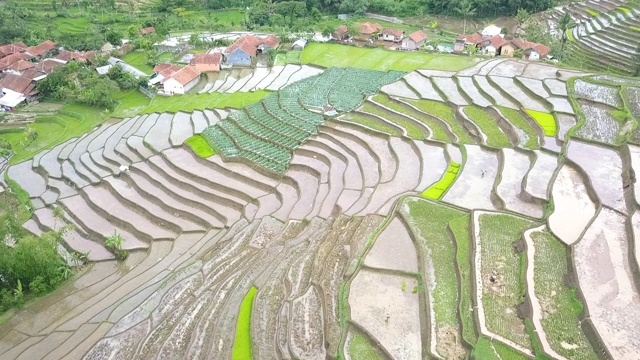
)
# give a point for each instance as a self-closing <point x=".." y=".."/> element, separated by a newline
<point x="200" y="146"/>
<point x="242" y="343"/>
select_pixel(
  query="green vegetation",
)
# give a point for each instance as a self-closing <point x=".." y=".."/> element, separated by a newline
<point x="290" y="57"/>
<point x="489" y="349"/>
<point x="369" y="122"/>
<point x="413" y="131"/>
<point x="546" y="121"/>
<point x="634" y="28"/>
<point x="360" y="348"/>
<point x="200" y="146"/>
<point x="438" y="189"/>
<point x="329" y="55"/>
<point x="437" y="130"/>
<point x="516" y="119"/>
<point x="562" y="306"/>
<point x="138" y="60"/>
<point x="460" y="229"/>
<point x="624" y="9"/>
<point x="500" y="262"/>
<point x="488" y="125"/>
<point x="242" y="343"/>
<point x="445" y="113"/>
<point x="114" y="243"/>
<point x="429" y="220"/>
<point x="592" y="12"/>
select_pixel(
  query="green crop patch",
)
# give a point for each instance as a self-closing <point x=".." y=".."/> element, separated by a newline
<point x="517" y="120"/>
<point x="200" y="146"/>
<point x="445" y="113"/>
<point x="369" y="122"/>
<point x="489" y="349"/>
<point x="460" y="229"/>
<point x="438" y="189"/>
<point x="592" y="12"/>
<point x="634" y="28"/>
<point x="361" y="348"/>
<point x="546" y="121"/>
<point x="624" y="9"/>
<point x="488" y="125"/>
<point x="242" y="342"/>
<point x="412" y="130"/>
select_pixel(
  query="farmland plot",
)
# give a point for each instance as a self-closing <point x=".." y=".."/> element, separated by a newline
<point x="599" y="124"/>
<point x="598" y="93"/>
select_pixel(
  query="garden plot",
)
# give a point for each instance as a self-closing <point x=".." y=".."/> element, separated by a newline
<point x="604" y="169"/>
<point x="434" y="164"/>
<point x="305" y="71"/>
<point x="599" y="93"/>
<point x="473" y="188"/>
<point x="495" y="94"/>
<point x="400" y="89"/>
<point x="600" y="125"/>
<point x="509" y="68"/>
<point x="540" y="71"/>
<point x="556" y="87"/>
<point x="515" y="166"/>
<point x="573" y="207"/>
<point x="381" y="306"/>
<point x="469" y="88"/>
<point x="267" y="80"/>
<point x="539" y="177"/>
<point x="449" y="88"/>
<point x="508" y="86"/>
<point x="393" y="249"/>
<point x="556" y="314"/>
<point x="428" y="222"/>
<point x="422" y="86"/>
<point x="605" y="274"/>
<point x="499" y="286"/>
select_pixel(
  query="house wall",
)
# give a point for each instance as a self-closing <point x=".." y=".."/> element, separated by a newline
<point x="239" y="57"/>
<point x="490" y="50"/>
<point x="207" y="67"/>
<point x="534" y="55"/>
<point x="191" y="84"/>
<point x="388" y="37"/>
<point x="507" y="50"/>
<point x="171" y="86"/>
<point x="409" y="44"/>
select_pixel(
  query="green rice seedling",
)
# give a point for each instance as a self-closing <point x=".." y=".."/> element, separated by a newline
<point x="634" y="28"/>
<point x="460" y="229"/>
<point x="242" y="342"/>
<point x="413" y="131"/>
<point x="445" y="113"/>
<point x="360" y="348"/>
<point x="623" y="9"/>
<point x="488" y="125"/>
<point x="438" y="189"/>
<point x="200" y="146"/>
<point x="592" y="12"/>
<point x="546" y="121"/>
<point x="518" y="121"/>
<point x="370" y="123"/>
<point x="489" y="349"/>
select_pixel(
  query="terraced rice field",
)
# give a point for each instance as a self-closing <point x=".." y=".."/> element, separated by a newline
<point x="350" y="213"/>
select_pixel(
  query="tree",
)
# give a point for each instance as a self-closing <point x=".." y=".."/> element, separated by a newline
<point x="522" y="16"/>
<point x="259" y="14"/>
<point x="465" y="10"/>
<point x="357" y="7"/>
<point x="564" y="24"/>
<point x="291" y="10"/>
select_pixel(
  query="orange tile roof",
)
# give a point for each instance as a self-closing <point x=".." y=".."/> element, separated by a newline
<point x="185" y="75"/>
<point x="72" y="55"/>
<point x="341" y="30"/>
<point x="147" y="30"/>
<point x="247" y="43"/>
<point x="13" y="48"/>
<point x="418" y="36"/>
<point x="22" y="65"/>
<point x="47" y="65"/>
<point x="497" y="41"/>
<point x="18" y="83"/>
<point x="168" y="71"/>
<point x="369" y="28"/>
<point x="474" y="38"/>
<point x="271" y="41"/>
<point x="395" y="32"/>
<point x="42" y="48"/>
<point x="214" y="58"/>
<point x="7" y="61"/>
<point x="525" y="45"/>
<point x="160" y="67"/>
<point x="32" y="73"/>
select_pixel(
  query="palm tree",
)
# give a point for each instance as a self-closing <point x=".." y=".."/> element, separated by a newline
<point x="465" y="10"/>
<point x="564" y="24"/>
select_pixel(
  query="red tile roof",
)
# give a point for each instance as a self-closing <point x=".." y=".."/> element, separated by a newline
<point x="342" y="30"/>
<point x="47" y="65"/>
<point x="18" y="83"/>
<point x="33" y="73"/>
<point x="369" y="28"/>
<point x="249" y="44"/>
<point x="271" y="41"/>
<point x="13" y="48"/>
<point x="472" y="39"/>
<point x="541" y="49"/>
<point x="22" y="65"/>
<point x="215" y="58"/>
<point x="395" y="32"/>
<point x="7" y="61"/>
<point x="167" y="71"/>
<point x="147" y="30"/>
<point x="72" y="55"/>
<point x="38" y="50"/>
<point x="496" y="41"/>
<point x="418" y="36"/>
<point x="185" y="75"/>
<point x="160" y="67"/>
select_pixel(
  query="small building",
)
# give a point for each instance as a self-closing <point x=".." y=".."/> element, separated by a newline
<point x="9" y="99"/>
<point x="20" y="84"/>
<point x="532" y="51"/>
<point x="147" y="30"/>
<point x="369" y="30"/>
<point x="341" y="33"/>
<point x="490" y="31"/>
<point x="508" y="49"/>
<point x="7" y="61"/>
<point x="299" y="44"/>
<point x="415" y="40"/>
<point x="207" y="62"/>
<point x="13" y="48"/>
<point x="243" y="51"/>
<point x="390" y="34"/>
<point x="107" y="47"/>
<point x="83" y="57"/>
<point x="493" y="45"/>
<point x="181" y="81"/>
<point x="48" y="65"/>
<point x="40" y="50"/>
<point x="21" y="66"/>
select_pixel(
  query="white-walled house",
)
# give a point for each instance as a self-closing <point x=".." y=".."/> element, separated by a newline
<point x="181" y="81"/>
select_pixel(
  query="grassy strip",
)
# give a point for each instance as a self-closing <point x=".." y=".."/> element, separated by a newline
<point x="592" y="12"/>
<point x="634" y="28"/>
<point x="488" y="125"/>
<point x="360" y="119"/>
<point x="361" y="348"/>
<point x="436" y="190"/>
<point x="329" y="55"/>
<point x="437" y="130"/>
<point x="570" y="35"/>
<point x="139" y="61"/>
<point x="429" y="221"/>
<point x="445" y="113"/>
<point x="516" y="119"/>
<point x="413" y="131"/>
<point x="561" y="320"/>
<point x="291" y="57"/>
<point x="200" y="146"/>
<point x="498" y="234"/>
<point x="242" y="342"/>
<point x="460" y="229"/>
<point x="487" y="349"/>
<point x="546" y="121"/>
<point x="624" y="9"/>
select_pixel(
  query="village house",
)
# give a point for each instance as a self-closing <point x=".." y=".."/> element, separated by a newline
<point x="39" y="51"/>
<point x="415" y="40"/>
<point x="244" y="50"/>
<point x="207" y="62"/>
<point x="7" y="61"/>
<point x="20" y="84"/>
<point x="147" y="30"/>
<point x="493" y="45"/>
<point x="341" y="33"/>
<point x="17" y="47"/>
<point x="369" y="31"/>
<point x="21" y="66"/>
<point x="83" y="57"/>
<point x="181" y="81"/>
<point x="299" y="44"/>
<point x="491" y="42"/>
<point x="9" y="99"/>
<point x="531" y="50"/>
<point x="390" y="34"/>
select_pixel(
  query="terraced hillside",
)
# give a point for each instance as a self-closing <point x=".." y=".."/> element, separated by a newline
<point x="607" y="35"/>
<point x="489" y="212"/>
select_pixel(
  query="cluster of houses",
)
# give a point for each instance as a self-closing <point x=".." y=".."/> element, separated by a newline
<point x="22" y="66"/>
<point x="169" y="79"/>
<point x="372" y="32"/>
<point x="490" y="41"/>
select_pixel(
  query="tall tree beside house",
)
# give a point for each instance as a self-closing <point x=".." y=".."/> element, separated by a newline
<point x="564" y="24"/>
<point x="465" y="9"/>
<point x="521" y="17"/>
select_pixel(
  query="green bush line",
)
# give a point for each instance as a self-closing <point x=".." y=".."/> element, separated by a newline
<point x="488" y="125"/>
<point x="546" y="121"/>
<point x="242" y="342"/>
<point x="437" y="130"/>
<point x="445" y="113"/>
<point x="438" y="189"/>
<point x="361" y="119"/>
<point x="200" y="146"/>
<point x="517" y="120"/>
